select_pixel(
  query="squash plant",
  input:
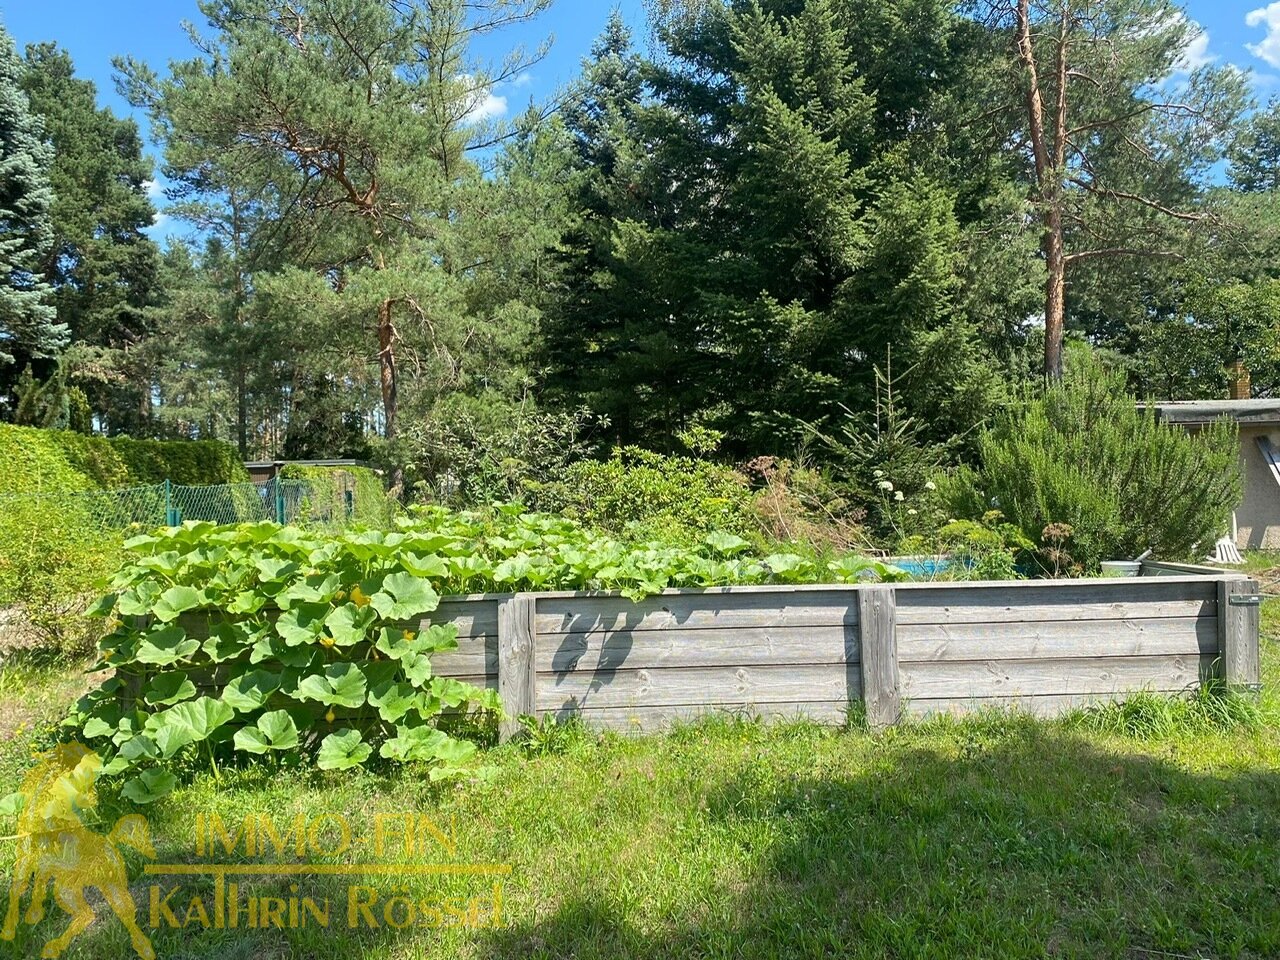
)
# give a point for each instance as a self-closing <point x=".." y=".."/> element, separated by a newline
<point x="261" y="640"/>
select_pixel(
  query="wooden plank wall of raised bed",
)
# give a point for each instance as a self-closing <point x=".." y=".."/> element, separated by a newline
<point x="919" y="648"/>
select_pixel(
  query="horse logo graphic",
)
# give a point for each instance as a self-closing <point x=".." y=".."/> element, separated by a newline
<point x="55" y="846"/>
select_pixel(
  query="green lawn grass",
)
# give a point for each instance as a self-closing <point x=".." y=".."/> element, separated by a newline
<point x="998" y="836"/>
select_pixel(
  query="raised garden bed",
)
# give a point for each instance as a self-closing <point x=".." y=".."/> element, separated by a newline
<point x="1045" y="646"/>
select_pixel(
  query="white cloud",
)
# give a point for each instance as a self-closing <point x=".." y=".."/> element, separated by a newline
<point x="488" y="106"/>
<point x="155" y="193"/>
<point x="522" y="79"/>
<point x="1196" y="53"/>
<point x="484" y="103"/>
<point x="1269" y="48"/>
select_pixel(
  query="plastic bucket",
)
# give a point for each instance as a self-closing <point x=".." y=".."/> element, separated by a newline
<point x="1121" y="568"/>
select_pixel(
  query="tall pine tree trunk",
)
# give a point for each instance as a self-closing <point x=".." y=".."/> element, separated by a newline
<point x="387" y="368"/>
<point x="242" y="413"/>
<point x="1049" y="150"/>
<point x="1055" y="292"/>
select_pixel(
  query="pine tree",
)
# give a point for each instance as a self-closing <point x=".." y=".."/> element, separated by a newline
<point x="349" y="125"/>
<point x="28" y="321"/>
<point x="1255" y="152"/>
<point x="607" y="296"/>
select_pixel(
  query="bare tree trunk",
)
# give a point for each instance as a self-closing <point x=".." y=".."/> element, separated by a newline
<point x="387" y="368"/>
<point x="242" y="412"/>
<point x="1049" y="161"/>
<point x="1055" y="293"/>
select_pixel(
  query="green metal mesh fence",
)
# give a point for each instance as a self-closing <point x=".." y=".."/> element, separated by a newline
<point x="168" y="504"/>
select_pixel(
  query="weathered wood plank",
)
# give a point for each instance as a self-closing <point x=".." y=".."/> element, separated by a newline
<point x="516" y="679"/>
<point x="801" y="588"/>
<point x="881" y="688"/>
<point x="474" y="655"/>
<point x="1013" y="678"/>
<point x="692" y="686"/>
<point x="1057" y="639"/>
<point x="472" y="617"/>
<point x="835" y="607"/>
<point x="1151" y="598"/>
<point x="648" y="719"/>
<point x="710" y="647"/>
<point x="1156" y="568"/>
<point x="1044" y="705"/>
<point x="1238" y="625"/>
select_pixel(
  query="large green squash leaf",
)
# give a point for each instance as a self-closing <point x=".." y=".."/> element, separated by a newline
<point x="165" y="645"/>
<point x="340" y="685"/>
<point x="273" y="731"/>
<point x="249" y="691"/>
<point x="342" y="751"/>
<point x="404" y="596"/>
<point x="186" y="723"/>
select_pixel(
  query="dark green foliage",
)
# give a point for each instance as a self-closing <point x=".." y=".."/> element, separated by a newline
<point x="1082" y="454"/>
<point x="882" y="461"/>
<point x="1255" y="151"/>
<point x="762" y="221"/>
<point x="101" y="265"/>
<point x="28" y="322"/>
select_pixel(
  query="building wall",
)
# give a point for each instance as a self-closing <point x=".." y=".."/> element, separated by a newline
<point x="1258" y="518"/>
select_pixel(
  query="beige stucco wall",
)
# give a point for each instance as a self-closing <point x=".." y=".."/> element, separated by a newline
<point x="1258" y="518"/>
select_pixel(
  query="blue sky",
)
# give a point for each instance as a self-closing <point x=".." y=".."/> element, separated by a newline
<point x="1245" y="33"/>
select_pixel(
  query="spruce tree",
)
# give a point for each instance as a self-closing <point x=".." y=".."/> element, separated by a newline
<point x="28" y="321"/>
<point x="101" y="264"/>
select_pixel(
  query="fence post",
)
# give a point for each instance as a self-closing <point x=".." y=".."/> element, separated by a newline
<point x="171" y="513"/>
<point x="517" y="650"/>
<point x="877" y="626"/>
<point x="1238" y="624"/>
<point x="280" y="510"/>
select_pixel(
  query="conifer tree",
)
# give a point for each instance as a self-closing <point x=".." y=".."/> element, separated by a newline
<point x="28" y="321"/>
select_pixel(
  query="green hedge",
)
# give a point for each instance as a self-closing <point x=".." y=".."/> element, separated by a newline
<point x="191" y="462"/>
<point x="34" y="462"/>
<point x="63" y="460"/>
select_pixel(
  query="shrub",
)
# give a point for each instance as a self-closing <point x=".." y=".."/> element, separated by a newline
<point x="35" y="461"/>
<point x="58" y="541"/>
<point x="53" y="559"/>
<point x="881" y="462"/>
<point x="38" y="459"/>
<point x="95" y="457"/>
<point x="649" y="494"/>
<point x="478" y="451"/>
<point x="1106" y="477"/>
<point x="326" y="496"/>
<point x="796" y="503"/>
